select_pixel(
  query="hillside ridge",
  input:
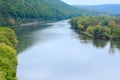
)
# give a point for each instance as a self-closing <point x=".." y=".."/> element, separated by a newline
<point x="14" y="12"/>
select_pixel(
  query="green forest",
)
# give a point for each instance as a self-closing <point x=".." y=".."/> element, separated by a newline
<point x="14" y="12"/>
<point x="17" y="12"/>
<point x="109" y="9"/>
<point x="101" y="26"/>
<point x="8" y="58"/>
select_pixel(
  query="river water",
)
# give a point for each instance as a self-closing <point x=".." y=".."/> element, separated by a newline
<point x="53" y="51"/>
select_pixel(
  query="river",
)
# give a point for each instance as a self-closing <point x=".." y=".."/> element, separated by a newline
<point x="53" y="51"/>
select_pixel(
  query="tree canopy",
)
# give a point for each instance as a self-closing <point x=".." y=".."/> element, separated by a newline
<point x="106" y="27"/>
<point x="20" y="11"/>
<point x="8" y="58"/>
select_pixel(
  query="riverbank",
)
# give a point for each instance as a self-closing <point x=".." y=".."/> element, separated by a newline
<point x="8" y="57"/>
<point x="101" y="27"/>
<point x="80" y="58"/>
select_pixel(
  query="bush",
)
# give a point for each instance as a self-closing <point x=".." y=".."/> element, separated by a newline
<point x="89" y="29"/>
<point x="105" y="31"/>
<point x="116" y="33"/>
<point x="9" y="36"/>
<point x="8" y="62"/>
<point x="8" y="58"/>
<point x="97" y="30"/>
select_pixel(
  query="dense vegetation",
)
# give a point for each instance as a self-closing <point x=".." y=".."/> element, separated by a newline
<point x="20" y="11"/>
<point x="103" y="27"/>
<point x="111" y="9"/>
<point x="8" y="58"/>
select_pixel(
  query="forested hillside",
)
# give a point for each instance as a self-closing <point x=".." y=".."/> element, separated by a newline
<point x="20" y="11"/>
<point x="111" y="9"/>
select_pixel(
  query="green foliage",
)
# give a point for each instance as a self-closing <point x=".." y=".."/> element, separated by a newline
<point x="99" y="43"/>
<point x="73" y="22"/>
<point x="105" y="27"/>
<point x="8" y="36"/>
<point x="2" y="77"/>
<point x="116" y="33"/>
<point x="97" y="31"/>
<point x="105" y="31"/>
<point x="8" y="58"/>
<point x="89" y="29"/>
<point x="109" y="9"/>
<point x="112" y="24"/>
<point x="19" y="11"/>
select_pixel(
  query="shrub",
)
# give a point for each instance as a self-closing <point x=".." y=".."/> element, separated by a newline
<point x="97" y="30"/>
<point x="116" y="33"/>
<point x="89" y="29"/>
<point x="8" y="58"/>
<point x="10" y="35"/>
<point x="8" y="62"/>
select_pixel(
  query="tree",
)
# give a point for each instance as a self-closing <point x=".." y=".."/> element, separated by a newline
<point x="89" y="29"/>
<point x="80" y="26"/>
<point x="11" y="21"/>
<point x="116" y="33"/>
<point x="112" y="25"/>
<point x="97" y="30"/>
<point x="8" y="62"/>
<point x="105" y="31"/>
<point x="8" y="58"/>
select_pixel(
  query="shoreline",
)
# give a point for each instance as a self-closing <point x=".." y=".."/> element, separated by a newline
<point x="8" y="54"/>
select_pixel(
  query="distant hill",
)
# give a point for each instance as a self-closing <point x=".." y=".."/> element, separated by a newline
<point x="14" y="12"/>
<point x="108" y="8"/>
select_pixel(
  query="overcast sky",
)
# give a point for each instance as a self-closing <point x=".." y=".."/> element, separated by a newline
<point x="91" y="2"/>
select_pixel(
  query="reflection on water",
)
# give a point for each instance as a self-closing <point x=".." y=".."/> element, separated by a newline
<point x="26" y="39"/>
<point x="56" y="52"/>
<point x="98" y="43"/>
<point x="25" y="35"/>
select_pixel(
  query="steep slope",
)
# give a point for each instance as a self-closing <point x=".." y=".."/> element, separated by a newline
<point x="20" y="11"/>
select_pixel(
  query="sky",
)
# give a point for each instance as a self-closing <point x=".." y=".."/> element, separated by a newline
<point x="91" y="2"/>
